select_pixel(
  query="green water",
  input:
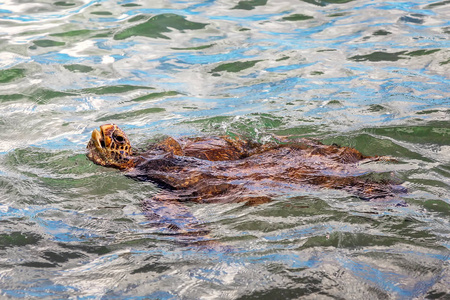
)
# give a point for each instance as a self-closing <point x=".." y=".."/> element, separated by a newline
<point x="367" y="74"/>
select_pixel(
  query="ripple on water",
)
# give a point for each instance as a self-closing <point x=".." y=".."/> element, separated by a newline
<point x="366" y="74"/>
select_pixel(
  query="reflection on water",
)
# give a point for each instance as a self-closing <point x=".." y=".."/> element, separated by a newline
<point x="367" y="74"/>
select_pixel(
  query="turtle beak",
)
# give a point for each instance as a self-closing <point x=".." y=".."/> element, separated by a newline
<point x="101" y="140"/>
<point x="97" y="139"/>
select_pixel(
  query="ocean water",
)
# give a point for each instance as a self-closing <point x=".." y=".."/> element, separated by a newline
<point x="373" y="75"/>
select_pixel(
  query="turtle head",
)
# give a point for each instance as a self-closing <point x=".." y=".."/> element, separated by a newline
<point x="110" y="147"/>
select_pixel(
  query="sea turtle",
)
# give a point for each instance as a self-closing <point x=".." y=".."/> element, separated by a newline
<point x="225" y="169"/>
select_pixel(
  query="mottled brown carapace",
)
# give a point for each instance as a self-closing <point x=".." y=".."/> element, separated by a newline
<point x="224" y="169"/>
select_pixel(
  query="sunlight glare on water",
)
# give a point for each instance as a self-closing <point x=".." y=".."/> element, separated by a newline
<point x="367" y="74"/>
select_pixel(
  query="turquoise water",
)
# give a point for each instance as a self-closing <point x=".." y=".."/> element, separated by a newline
<point x="368" y="74"/>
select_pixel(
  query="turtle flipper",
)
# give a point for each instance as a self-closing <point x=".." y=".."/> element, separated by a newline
<point x="172" y="217"/>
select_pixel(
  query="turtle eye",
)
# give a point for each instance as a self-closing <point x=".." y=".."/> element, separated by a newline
<point x="119" y="138"/>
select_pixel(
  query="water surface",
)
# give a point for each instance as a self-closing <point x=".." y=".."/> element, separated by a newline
<point x="367" y="74"/>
